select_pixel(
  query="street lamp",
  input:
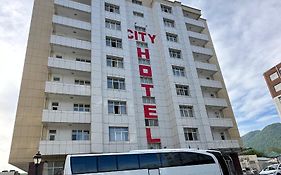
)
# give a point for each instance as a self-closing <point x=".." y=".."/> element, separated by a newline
<point x="37" y="160"/>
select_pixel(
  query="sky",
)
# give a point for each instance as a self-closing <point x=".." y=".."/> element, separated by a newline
<point x="247" y="40"/>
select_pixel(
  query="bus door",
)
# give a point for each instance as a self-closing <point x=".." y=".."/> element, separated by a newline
<point x="153" y="172"/>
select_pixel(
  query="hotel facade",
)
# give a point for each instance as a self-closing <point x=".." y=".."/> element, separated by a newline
<point x="114" y="76"/>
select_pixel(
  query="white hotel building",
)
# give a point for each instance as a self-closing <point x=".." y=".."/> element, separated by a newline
<point x="119" y="75"/>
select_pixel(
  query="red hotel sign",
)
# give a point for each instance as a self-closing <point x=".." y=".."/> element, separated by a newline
<point x="146" y="71"/>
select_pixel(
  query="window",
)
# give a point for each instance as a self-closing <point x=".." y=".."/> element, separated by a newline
<point x="172" y="37"/>
<point x="117" y="107"/>
<point x="84" y="164"/>
<point x="151" y="122"/>
<point x="112" y="8"/>
<point x="175" y="53"/>
<point x="171" y="159"/>
<point x="55" y="167"/>
<point x="113" y="42"/>
<point x="150" y="100"/>
<point x="166" y="9"/>
<point x="82" y="107"/>
<point x="80" y="135"/>
<point x="107" y="163"/>
<point x="195" y="159"/>
<point x="146" y="80"/>
<point x="178" y="71"/>
<point x="115" y="83"/>
<point x="154" y="146"/>
<point x="112" y="24"/>
<point x="82" y="82"/>
<point x="169" y="22"/>
<point x="55" y="106"/>
<point x="83" y="60"/>
<point x="59" y="56"/>
<point x="144" y="61"/>
<point x="138" y="14"/>
<point x="118" y="134"/>
<point x="140" y="29"/>
<point x="112" y="61"/>
<point x="182" y="90"/>
<point x="190" y="134"/>
<point x="273" y="76"/>
<point x="222" y="135"/>
<point x="148" y="161"/>
<point x="142" y="44"/>
<point x="277" y="87"/>
<point x="52" y="134"/>
<point x="57" y="79"/>
<point x="128" y="162"/>
<point x="186" y="111"/>
<point x="137" y="2"/>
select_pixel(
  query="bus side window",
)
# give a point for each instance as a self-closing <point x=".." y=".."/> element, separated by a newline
<point x="80" y="165"/>
<point x="150" y="161"/>
<point x="128" y="162"/>
<point x="107" y="163"/>
<point x="171" y="159"/>
<point x="195" y="159"/>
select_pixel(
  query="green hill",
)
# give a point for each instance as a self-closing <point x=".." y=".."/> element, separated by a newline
<point x="267" y="141"/>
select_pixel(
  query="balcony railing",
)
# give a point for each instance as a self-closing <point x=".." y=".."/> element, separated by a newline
<point x="71" y="22"/>
<point x="219" y="102"/>
<point x="206" y="66"/>
<point x="70" y="42"/>
<point x="50" y="116"/>
<point x="202" y="50"/>
<point x="64" y="147"/>
<point x="220" y="144"/>
<point x="195" y="22"/>
<point x="73" y="5"/>
<point x="68" y="89"/>
<point x="199" y="36"/>
<point x="221" y="122"/>
<point x="69" y="64"/>
<point x="210" y="83"/>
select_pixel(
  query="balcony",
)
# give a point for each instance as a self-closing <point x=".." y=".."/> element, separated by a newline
<point x="198" y="36"/>
<point x="69" y="64"/>
<point x="71" y="22"/>
<point x="64" y="147"/>
<point x="210" y="83"/>
<point x="222" y="144"/>
<point x="70" y="42"/>
<point x="73" y="5"/>
<point x="194" y="28"/>
<point x="195" y="22"/>
<point x="206" y="66"/>
<point x="50" y="116"/>
<point x="217" y="102"/>
<point x="221" y="122"/>
<point x="68" y="89"/>
<point x="202" y="52"/>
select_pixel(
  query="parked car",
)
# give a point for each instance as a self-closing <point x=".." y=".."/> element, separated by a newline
<point x="274" y="169"/>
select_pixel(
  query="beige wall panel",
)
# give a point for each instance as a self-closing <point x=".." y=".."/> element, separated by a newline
<point x="28" y="124"/>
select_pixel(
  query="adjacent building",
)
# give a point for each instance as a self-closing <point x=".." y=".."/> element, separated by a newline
<point x="114" y="76"/>
<point x="273" y="80"/>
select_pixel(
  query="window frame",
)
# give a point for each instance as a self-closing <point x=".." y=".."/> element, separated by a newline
<point x="117" y="107"/>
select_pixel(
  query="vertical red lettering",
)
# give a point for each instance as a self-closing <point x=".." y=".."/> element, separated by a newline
<point x="152" y="38"/>
<point x="136" y="35"/>
<point x="145" y="71"/>
<point x="130" y="36"/>
<point x="142" y="35"/>
<point x="150" y="111"/>
<point x="147" y="89"/>
<point x="149" y="137"/>
<point x="144" y="53"/>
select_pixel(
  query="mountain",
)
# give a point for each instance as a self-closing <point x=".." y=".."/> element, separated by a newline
<point x="267" y="141"/>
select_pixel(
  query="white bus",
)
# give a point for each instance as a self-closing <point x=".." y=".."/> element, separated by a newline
<point x="149" y="162"/>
